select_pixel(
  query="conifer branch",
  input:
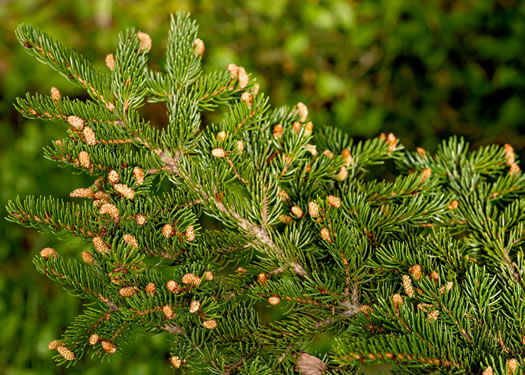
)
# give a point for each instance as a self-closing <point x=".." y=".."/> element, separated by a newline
<point x="423" y="271"/>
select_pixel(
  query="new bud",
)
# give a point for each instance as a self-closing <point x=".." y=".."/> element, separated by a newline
<point x="145" y="41"/>
<point x="198" y="46"/>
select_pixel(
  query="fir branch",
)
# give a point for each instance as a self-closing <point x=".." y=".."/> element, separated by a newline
<point x="423" y="271"/>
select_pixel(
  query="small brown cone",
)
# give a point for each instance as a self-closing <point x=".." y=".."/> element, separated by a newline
<point x="218" y="153"/>
<point x="125" y="190"/>
<point x="453" y="205"/>
<point x="435" y="277"/>
<point x="329" y="154"/>
<point x="145" y="41"/>
<point x="433" y="315"/>
<point x="76" y="122"/>
<point x="392" y="141"/>
<point x="243" y="77"/>
<point x="191" y="279"/>
<point x="100" y="245"/>
<point x="514" y="168"/>
<point x="168" y="312"/>
<point x="407" y="285"/>
<point x="130" y="240"/>
<point x="139" y="175"/>
<point x="310" y="365"/>
<point x="347" y="157"/>
<point x="284" y="196"/>
<point x="113" y="177"/>
<point x="48" y="252"/>
<point x="297" y="211"/>
<point x="365" y="309"/>
<point x="308" y="128"/>
<point x="210" y="324"/>
<point x="415" y="271"/>
<point x="108" y="347"/>
<point x="397" y="300"/>
<point x="87" y="257"/>
<point x="277" y="131"/>
<point x="175" y="361"/>
<point x="167" y="231"/>
<point x="303" y="111"/>
<point x="110" y="61"/>
<point x="150" y="289"/>
<point x="84" y="159"/>
<point x="285" y="219"/>
<point x="55" y="94"/>
<point x="247" y="98"/>
<point x="274" y="300"/>
<point x="89" y="136"/>
<point x="509" y="154"/>
<point x="425" y="173"/>
<point x="325" y="234"/>
<point x="194" y="306"/>
<point x="53" y="345"/>
<point x="313" y="209"/>
<point x="234" y="70"/>
<point x="262" y="278"/>
<point x="221" y="136"/>
<point x="424" y="306"/>
<point x="297" y="127"/>
<point x="140" y="219"/>
<point x="67" y="354"/>
<point x="240" y="146"/>
<point x="342" y="174"/>
<point x="94" y="339"/>
<point x="103" y="196"/>
<point x="127" y="291"/>
<point x="190" y="233"/>
<point x="173" y="286"/>
<point x="333" y="201"/>
<point x="512" y="366"/>
<point x="198" y="46"/>
<point x="109" y="209"/>
<point x="312" y="149"/>
<point x="82" y="193"/>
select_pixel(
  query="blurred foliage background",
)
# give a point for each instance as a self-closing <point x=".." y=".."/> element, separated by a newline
<point x="424" y="70"/>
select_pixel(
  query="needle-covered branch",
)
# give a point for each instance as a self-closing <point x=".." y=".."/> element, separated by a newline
<point x="421" y="268"/>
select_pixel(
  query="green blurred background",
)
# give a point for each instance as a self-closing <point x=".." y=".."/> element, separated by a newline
<point x="422" y="69"/>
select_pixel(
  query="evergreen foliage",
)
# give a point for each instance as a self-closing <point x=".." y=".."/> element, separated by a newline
<point x="423" y="271"/>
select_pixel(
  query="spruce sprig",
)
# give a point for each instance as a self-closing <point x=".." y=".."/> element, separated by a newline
<point x="423" y="271"/>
